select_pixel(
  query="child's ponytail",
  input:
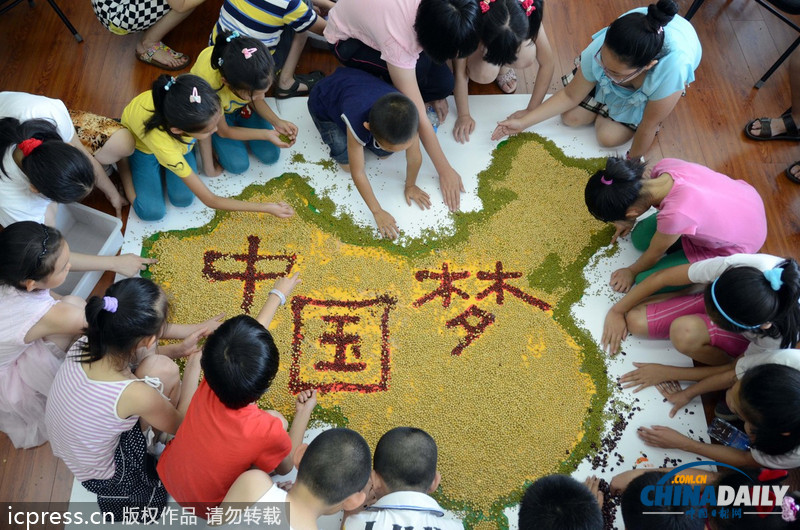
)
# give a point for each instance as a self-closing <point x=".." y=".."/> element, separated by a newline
<point x="131" y="310"/>
<point x="746" y="298"/>
<point x="534" y="10"/>
<point x="611" y="191"/>
<point x="57" y="170"/>
<point x="636" y="39"/>
<point x="244" y="62"/>
<point x="28" y="251"/>
<point x="186" y="102"/>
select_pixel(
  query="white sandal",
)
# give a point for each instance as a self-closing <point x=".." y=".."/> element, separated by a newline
<point x="504" y="80"/>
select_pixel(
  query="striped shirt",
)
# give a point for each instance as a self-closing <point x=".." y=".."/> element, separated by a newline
<point x="264" y="19"/>
<point x="82" y="421"/>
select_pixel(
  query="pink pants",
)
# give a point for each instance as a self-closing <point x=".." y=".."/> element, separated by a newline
<point x="660" y="316"/>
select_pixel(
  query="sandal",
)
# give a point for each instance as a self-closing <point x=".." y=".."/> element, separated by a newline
<point x="504" y="80"/>
<point x="147" y="57"/>
<point x="765" y="133"/>
<point x="791" y="176"/>
<point x="294" y="91"/>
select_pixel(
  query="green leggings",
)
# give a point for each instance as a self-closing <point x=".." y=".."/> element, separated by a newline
<point x="641" y="236"/>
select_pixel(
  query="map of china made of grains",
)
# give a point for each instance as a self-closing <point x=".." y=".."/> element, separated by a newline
<point x="468" y="335"/>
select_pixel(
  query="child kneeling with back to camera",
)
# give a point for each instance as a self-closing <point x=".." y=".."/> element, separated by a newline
<point x="404" y="474"/>
<point x="239" y="361"/>
<point x="332" y="473"/>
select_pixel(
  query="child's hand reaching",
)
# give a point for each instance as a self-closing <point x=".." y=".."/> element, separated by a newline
<point x="280" y="210"/>
<point x="306" y="401"/>
<point x="623" y="229"/>
<point x="645" y="375"/>
<point x="415" y="193"/>
<point x="130" y="264"/>
<point x="287" y="284"/>
<point x="676" y="395"/>
<point x="622" y="280"/>
<point x="387" y="226"/>
<point x="507" y="127"/>
<point x="189" y="346"/>
<point x="615" y="330"/>
<point x="212" y="323"/>
<point x="593" y="483"/>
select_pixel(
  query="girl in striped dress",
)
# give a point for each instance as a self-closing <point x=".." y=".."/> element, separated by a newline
<point x="98" y="408"/>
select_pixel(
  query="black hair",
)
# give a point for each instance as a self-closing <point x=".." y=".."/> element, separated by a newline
<point x="141" y="311"/>
<point x="535" y="19"/>
<point x="28" y="251"/>
<point x="405" y="458"/>
<point x="240" y="361"/>
<point x="747" y="521"/>
<point x="747" y="297"/>
<point x="636" y="38"/>
<point x="611" y="191"/>
<point x="766" y="395"/>
<point x="59" y="171"/>
<point x="559" y="502"/>
<point x="503" y="28"/>
<point x="173" y="108"/>
<point x="447" y="29"/>
<point x="336" y="464"/>
<point x="242" y="68"/>
<point x="632" y="509"/>
<point x="393" y="118"/>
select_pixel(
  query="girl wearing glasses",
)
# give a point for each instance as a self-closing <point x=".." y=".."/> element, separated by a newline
<point x="628" y="81"/>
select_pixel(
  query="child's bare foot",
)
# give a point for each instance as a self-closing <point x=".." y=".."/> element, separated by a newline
<point x="160" y="55"/>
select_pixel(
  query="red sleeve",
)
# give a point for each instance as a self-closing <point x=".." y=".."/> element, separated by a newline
<point x="274" y="443"/>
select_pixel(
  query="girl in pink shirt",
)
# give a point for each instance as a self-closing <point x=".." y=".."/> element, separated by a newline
<point x="700" y="214"/>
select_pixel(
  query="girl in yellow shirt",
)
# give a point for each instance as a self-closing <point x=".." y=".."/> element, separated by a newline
<point x="166" y="122"/>
<point x="241" y="70"/>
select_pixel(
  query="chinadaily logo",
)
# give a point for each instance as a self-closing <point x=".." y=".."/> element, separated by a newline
<point x="693" y="496"/>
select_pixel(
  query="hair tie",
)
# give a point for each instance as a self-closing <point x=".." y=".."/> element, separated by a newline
<point x="485" y="5"/>
<point x="234" y="34"/>
<point x="169" y="83"/>
<point x="773" y="276"/>
<point x="789" y="509"/>
<point x="607" y="182"/>
<point x="528" y="6"/>
<point x="44" y="242"/>
<point x="248" y="52"/>
<point x="110" y="304"/>
<point x="27" y="146"/>
<point x="194" y="97"/>
<point x="219" y="61"/>
<point x="721" y="312"/>
<point x="660" y="30"/>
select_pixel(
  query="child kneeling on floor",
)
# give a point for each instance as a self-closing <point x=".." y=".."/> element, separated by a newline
<point x="404" y="474"/>
<point x="225" y="433"/>
<point x="332" y="473"/>
<point x="353" y="111"/>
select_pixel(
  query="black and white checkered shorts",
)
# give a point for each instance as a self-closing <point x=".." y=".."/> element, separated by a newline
<point x="128" y="16"/>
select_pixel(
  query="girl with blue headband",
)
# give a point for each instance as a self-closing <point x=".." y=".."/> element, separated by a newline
<point x="750" y="303"/>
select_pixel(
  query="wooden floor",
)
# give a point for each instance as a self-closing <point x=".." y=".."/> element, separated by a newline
<point x="740" y="40"/>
